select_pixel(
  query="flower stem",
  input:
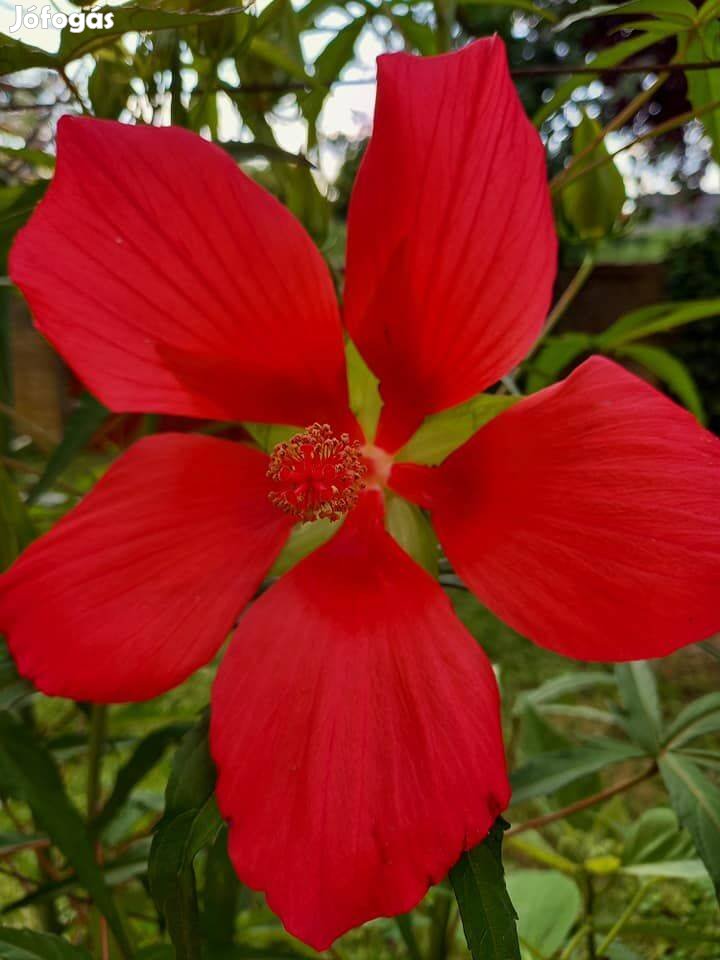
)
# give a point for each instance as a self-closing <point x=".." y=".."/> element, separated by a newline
<point x="625" y="915"/>
<point x="96" y="741"/>
<point x="583" y="804"/>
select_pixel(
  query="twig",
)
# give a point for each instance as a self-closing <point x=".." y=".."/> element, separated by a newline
<point x="625" y="915"/>
<point x="583" y="804"/>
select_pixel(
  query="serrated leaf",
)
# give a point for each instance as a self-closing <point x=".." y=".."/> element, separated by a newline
<point x="696" y="800"/>
<point x="28" y="772"/>
<point x="441" y="433"/>
<point x="673" y="373"/>
<point x="488" y="916"/>
<point x="639" y="695"/>
<point x="32" y="945"/>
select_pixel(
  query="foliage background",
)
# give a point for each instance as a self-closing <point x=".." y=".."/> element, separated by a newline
<point x="110" y="843"/>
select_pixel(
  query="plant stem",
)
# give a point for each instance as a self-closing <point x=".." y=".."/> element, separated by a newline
<point x="569" y="949"/>
<point x="589" y="916"/>
<point x="444" y="15"/>
<point x="437" y="949"/>
<point x="568" y="295"/>
<point x="625" y="915"/>
<point x="657" y="131"/>
<point x="96" y="742"/>
<point x="583" y="804"/>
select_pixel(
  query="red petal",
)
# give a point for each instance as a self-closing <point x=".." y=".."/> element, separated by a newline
<point x="587" y="517"/>
<point x="355" y="725"/>
<point x="171" y="282"/>
<point x="451" y="244"/>
<point x="139" y="585"/>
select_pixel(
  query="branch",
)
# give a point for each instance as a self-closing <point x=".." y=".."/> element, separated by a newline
<point x="591" y="801"/>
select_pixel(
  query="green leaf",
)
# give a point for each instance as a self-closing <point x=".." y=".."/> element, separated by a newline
<point x="417" y="36"/>
<point x="527" y="5"/>
<point x="441" y="433"/>
<point x="28" y="772"/>
<point x="304" y="539"/>
<point x="692" y="869"/>
<point x="677" y="12"/>
<point x="16" y="205"/>
<point x="656" y="836"/>
<point x="31" y="945"/>
<point x="592" y="203"/>
<point x="335" y="55"/>
<point x="488" y="916"/>
<point x="548" y="904"/>
<point x="242" y="151"/>
<point x="657" y="318"/>
<point x="191" y="822"/>
<point x="268" y="435"/>
<point x="699" y="718"/>
<point x="549" y="772"/>
<point x="171" y="874"/>
<point x="704" y="85"/>
<point x="639" y="695"/>
<point x="608" y="58"/>
<point x="670" y="371"/>
<point x="696" y="800"/>
<point x="411" y="529"/>
<point x="83" y="423"/>
<point x="146" y="755"/>
<point x="221" y="892"/>
<point x="556" y="354"/>
<point x="16" y="529"/>
<point x="561" y="686"/>
<point x="365" y="400"/>
<point x="15" y="55"/>
<point x="277" y="56"/>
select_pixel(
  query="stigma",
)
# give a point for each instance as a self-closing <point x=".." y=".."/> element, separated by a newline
<point x="316" y="475"/>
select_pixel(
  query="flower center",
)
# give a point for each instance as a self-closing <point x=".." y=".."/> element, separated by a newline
<point x="316" y="475"/>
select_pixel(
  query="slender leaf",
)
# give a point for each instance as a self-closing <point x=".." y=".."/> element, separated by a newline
<point x="700" y="717"/>
<point x="556" y="355"/>
<point x="28" y="772"/>
<point x="144" y="758"/>
<point x="16" y="529"/>
<point x="31" y="945"/>
<point x="673" y="373"/>
<point x="444" y="432"/>
<point x="84" y="421"/>
<point x="639" y="695"/>
<point x="549" y="772"/>
<point x="658" y="318"/>
<point x="680" y="12"/>
<point x="704" y="85"/>
<point x="696" y="800"/>
<point x="488" y="916"/>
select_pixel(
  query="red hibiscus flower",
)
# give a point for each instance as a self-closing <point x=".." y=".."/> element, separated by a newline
<point x="355" y="722"/>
